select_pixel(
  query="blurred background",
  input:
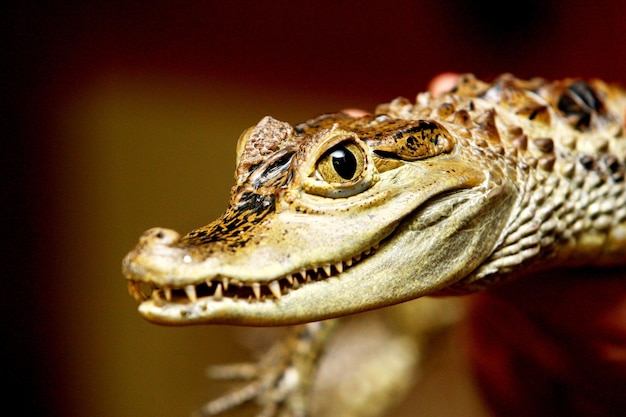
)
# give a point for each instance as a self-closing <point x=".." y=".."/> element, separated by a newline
<point x="120" y="116"/>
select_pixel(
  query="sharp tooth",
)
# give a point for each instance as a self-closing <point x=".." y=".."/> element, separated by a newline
<point x="225" y="282"/>
<point x="190" y="290"/>
<point x="219" y="293"/>
<point x="274" y="287"/>
<point x="168" y="293"/>
<point x="367" y="251"/>
<point x="133" y="289"/>
<point x="256" y="289"/>
<point x="357" y="258"/>
<point x="327" y="270"/>
<point x="303" y="274"/>
<point x="289" y="279"/>
<point x="348" y="262"/>
<point x="339" y="267"/>
<point x="156" y="297"/>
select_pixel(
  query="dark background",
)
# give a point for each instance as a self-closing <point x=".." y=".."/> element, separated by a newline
<point x="119" y="116"/>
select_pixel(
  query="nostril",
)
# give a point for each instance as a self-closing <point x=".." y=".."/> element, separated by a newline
<point x="161" y="236"/>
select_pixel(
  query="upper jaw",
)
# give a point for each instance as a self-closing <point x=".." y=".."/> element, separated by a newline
<point x="166" y="269"/>
<point x="220" y="287"/>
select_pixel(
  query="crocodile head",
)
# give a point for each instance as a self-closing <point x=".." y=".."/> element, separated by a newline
<point x="334" y="216"/>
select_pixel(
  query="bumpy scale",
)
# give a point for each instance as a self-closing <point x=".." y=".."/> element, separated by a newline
<point x="449" y="195"/>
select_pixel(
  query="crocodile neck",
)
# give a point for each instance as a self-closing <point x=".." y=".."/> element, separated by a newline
<point x="344" y="214"/>
<point x="571" y="206"/>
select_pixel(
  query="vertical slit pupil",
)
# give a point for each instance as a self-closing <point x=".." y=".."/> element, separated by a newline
<point x="344" y="162"/>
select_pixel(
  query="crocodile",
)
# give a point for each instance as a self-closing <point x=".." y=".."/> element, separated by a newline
<point x="447" y="195"/>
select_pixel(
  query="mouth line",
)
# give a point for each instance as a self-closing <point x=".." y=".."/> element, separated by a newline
<point x="220" y="288"/>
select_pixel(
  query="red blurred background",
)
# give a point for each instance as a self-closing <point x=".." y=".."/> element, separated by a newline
<point x="78" y="192"/>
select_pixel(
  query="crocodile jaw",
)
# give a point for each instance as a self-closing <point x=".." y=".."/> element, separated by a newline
<point x="410" y="262"/>
<point x="533" y="145"/>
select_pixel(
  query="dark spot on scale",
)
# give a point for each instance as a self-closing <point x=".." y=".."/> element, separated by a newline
<point x="579" y="101"/>
<point x="612" y="163"/>
<point x="545" y="145"/>
<point x="462" y="117"/>
<point x="586" y="95"/>
<point x="537" y="111"/>
<point x="584" y="121"/>
<point x="616" y="168"/>
<point x="386" y="154"/>
<point x="547" y="163"/>
<point x="587" y="162"/>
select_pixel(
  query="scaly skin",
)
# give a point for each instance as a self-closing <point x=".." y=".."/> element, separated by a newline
<point x="341" y="214"/>
<point x="450" y="194"/>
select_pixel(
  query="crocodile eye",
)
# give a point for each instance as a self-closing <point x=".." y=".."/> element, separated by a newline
<point x="341" y="163"/>
<point x="340" y="166"/>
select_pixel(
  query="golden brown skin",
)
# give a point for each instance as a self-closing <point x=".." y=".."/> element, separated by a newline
<point x="343" y="214"/>
<point x="347" y="213"/>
